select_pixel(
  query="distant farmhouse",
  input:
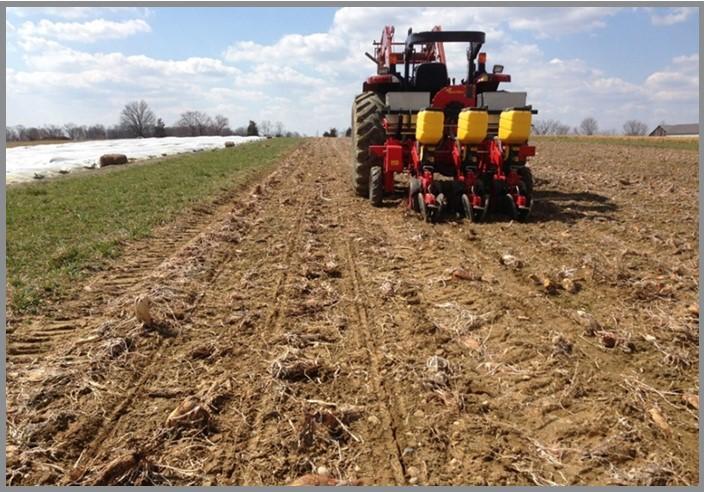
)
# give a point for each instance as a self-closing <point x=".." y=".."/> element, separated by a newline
<point x="684" y="130"/>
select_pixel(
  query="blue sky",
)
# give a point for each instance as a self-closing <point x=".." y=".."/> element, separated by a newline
<point x="303" y="66"/>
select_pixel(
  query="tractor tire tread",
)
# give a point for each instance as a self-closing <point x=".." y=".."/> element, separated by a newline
<point x="367" y="130"/>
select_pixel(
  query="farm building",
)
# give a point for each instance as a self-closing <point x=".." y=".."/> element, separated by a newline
<point x="683" y="130"/>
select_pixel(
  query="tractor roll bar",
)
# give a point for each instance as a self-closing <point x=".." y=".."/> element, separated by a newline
<point x="444" y="37"/>
<point x="436" y="38"/>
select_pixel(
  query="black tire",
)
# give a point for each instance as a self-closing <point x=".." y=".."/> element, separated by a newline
<point x="471" y="213"/>
<point x="421" y="205"/>
<point x="376" y="186"/>
<point x="512" y="208"/>
<point x="414" y="189"/>
<point x="523" y="215"/>
<point x="527" y="189"/>
<point x="528" y="180"/>
<point x="367" y="130"/>
<point x="486" y="210"/>
<point x="467" y="207"/>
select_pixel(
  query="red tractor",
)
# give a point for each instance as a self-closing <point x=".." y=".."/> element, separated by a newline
<point x="464" y="146"/>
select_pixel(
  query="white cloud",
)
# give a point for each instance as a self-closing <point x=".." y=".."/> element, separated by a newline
<point x="87" y="32"/>
<point x="679" y="82"/>
<point x="552" y="21"/>
<point x="76" y="12"/>
<point x="318" y="74"/>
<point x="671" y="16"/>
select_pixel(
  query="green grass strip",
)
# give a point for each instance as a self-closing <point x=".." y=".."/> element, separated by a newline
<point x="58" y="230"/>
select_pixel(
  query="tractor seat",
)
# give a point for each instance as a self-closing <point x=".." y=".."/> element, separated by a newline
<point x="431" y="77"/>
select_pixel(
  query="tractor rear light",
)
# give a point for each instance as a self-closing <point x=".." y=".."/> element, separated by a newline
<point x="521" y="201"/>
<point x="382" y="79"/>
<point x="476" y="201"/>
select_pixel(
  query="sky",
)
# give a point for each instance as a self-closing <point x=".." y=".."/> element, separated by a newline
<point x="303" y="66"/>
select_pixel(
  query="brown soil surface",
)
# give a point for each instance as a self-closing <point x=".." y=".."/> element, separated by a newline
<point x="300" y="334"/>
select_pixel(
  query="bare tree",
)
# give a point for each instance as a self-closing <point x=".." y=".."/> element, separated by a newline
<point x="550" y="127"/>
<point x="51" y="132"/>
<point x="220" y="124"/>
<point x="137" y="119"/>
<point x="75" y="132"/>
<point x="562" y="129"/>
<point x="278" y="129"/>
<point x="588" y="126"/>
<point x="635" y="127"/>
<point x="195" y="121"/>
<point x="544" y="127"/>
<point x="95" y="132"/>
<point x="265" y="128"/>
<point x="33" y="134"/>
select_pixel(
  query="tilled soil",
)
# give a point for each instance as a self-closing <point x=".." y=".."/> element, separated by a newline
<point x="299" y="335"/>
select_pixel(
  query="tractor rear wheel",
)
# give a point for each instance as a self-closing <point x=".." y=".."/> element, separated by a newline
<point x="376" y="186"/>
<point x="366" y="130"/>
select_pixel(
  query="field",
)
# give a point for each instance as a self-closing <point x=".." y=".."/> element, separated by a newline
<point x="61" y="227"/>
<point x="684" y="143"/>
<point x="296" y="334"/>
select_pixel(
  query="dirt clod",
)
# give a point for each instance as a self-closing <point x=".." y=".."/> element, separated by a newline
<point x="115" y="471"/>
<point x="608" y="339"/>
<point x="511" y="261"/>
<point x="660" y="420"/>
<point x="143" y="305"/>
<point x="692" y="400"/>
<point x="189" y="413"/>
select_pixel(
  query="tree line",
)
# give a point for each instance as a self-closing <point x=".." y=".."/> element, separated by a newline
<point x="137" y="120"/>
<point x="588" y="126"/>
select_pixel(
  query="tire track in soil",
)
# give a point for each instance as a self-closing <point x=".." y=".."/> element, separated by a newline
<point x="257" y="333"/>
<point x="105" y="433"/>
<point x="408" y="343"/>
<point x="136" y="261"/>
<point x="519" y="301"/>
<point x="283" y="407"/>
<point x="273" y="321"/>
<point x="143" y="279"/>
<point x="273" y="455"/>
<point x="214" y="290"/>
<point x="180" y="382"/>
<point x="366" y="337"/>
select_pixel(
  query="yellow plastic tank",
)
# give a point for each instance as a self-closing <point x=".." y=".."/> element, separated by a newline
<point x="429" y="126"/>
<point x="472" y="126"/>
<point x="515" y="126"/>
